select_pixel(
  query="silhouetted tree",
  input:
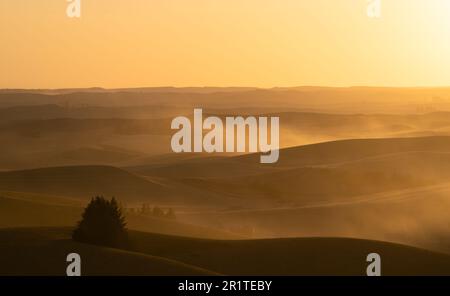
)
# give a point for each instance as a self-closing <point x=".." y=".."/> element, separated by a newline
<point x="102" y="223"/>
<point x="157" y="212"/>
<point x="145" y="209"/>
<point x="170" y="214"/>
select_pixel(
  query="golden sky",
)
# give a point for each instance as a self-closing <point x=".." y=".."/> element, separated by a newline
<point x="261" y="43"/>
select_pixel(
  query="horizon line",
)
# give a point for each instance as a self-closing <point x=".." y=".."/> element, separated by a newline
<point x="221" y="87"/>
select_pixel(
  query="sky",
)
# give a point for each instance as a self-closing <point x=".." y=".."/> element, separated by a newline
<point x="260" y="43"/>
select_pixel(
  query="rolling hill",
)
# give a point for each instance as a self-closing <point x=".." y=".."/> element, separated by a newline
<point x="62" y="133"/>
<point x="320" y="154"/>
<point x="38" y="251"/>
<point x="387" y="189"/>
<point x="84" y="182"/>
<point x="345" y="169"/>
<point x="335" y="152"/>
<point x="344" y="188"/>
<point x="417" y="217"/>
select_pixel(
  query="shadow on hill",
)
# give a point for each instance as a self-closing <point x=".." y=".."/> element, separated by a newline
<point x="40" y="251"/>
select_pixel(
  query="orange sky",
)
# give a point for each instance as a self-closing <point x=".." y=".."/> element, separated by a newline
<point x="261" y="43"/>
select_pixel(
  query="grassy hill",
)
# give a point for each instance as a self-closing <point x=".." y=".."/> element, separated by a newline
<point x="385" y="189"/>
<point x="345" y="169"/>
<point x="335" y="152"/>
<point x="24" y="213"/>
<point x="83" y="182"/>
<point x="417" y="216"/>
<point x="293" y="256"/>
<point x="39" y="251"/>
<point x="42" y="251"/>
<point x="320" y="154"/>
<point x="300" y="186"/>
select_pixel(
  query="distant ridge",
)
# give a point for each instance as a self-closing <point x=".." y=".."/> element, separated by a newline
<point x="165" y="89"/>
<point x="330" y="99"/>
<point x="213" y="89"/>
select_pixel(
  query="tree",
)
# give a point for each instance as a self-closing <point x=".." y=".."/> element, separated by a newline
<point x="102" y="223"/>
<point x="157" y="212"/>
<point x="145" y="209"/>
<point x="170" y="214"/>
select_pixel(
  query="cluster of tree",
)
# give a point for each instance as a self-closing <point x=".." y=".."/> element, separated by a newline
<point x="102" y="223"/>
<point x="157" y="212"/>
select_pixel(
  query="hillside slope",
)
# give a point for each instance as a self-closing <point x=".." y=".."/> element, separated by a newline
<point x="293" y="256"/>
<point x="83" y="182"/>
<point x="40" y="251"/>
<point x="321" y="154"/>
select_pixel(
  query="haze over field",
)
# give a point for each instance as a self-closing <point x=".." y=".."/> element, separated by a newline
<point x="57" y="129"/>
<point x="367" y="175"/>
